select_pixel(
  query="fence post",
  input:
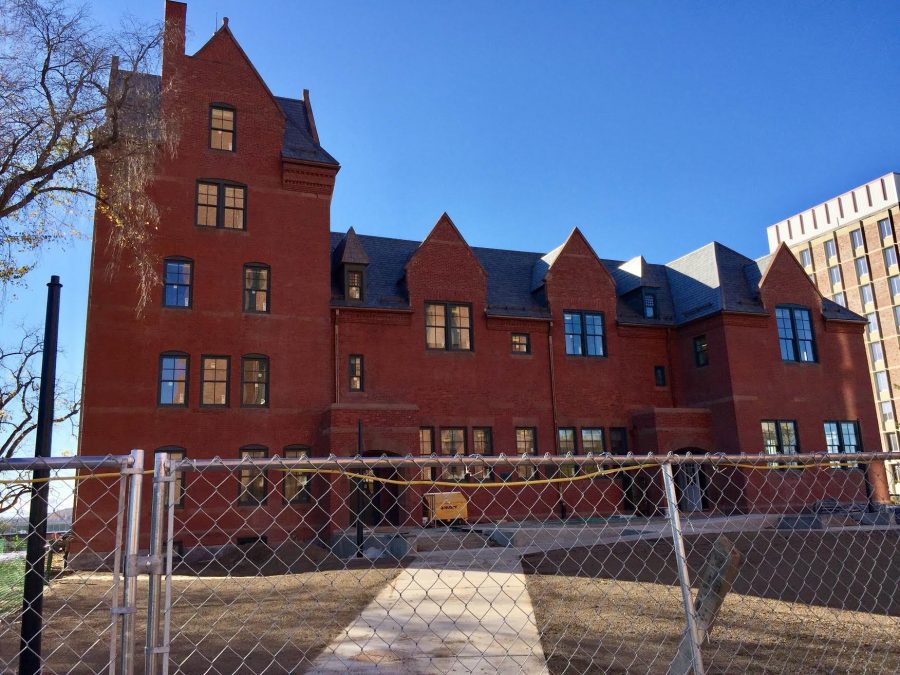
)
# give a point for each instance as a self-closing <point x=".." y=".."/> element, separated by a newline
<point x="693" y="635"/>
<point x="158" y="510"/>
<point x="30" y="658"/>
<point x="132" y="530"/>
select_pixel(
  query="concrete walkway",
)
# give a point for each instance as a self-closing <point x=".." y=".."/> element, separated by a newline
<point x="449" y="612"/>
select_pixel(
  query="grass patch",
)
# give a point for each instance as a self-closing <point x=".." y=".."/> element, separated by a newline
<point x="12" y="577"/>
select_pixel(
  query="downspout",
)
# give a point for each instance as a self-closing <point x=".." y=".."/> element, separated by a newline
<point x="559" y="489"/>
<point x="337" y="373"/>
<point x="552" y="375"/>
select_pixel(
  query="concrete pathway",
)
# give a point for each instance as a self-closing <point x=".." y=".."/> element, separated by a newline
<point x="449" y="612"/>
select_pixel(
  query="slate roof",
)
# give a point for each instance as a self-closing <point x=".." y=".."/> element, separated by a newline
<point x="299" y="142"/>
<point x="711" y="279"/>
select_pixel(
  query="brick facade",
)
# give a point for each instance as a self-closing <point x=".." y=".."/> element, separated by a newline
<point x="311" y="328"/>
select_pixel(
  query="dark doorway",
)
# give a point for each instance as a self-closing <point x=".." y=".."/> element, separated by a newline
<point x="691" y="482"/>
<point x="375" y="501"/>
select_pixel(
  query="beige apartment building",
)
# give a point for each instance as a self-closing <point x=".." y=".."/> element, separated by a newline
<point x="848" y="246"/>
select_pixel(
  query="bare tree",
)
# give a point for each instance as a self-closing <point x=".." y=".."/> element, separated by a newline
<point x="19" y="393"/>
<point x="65" y="100"/>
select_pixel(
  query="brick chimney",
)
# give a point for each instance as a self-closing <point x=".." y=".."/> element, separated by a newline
<point x="174" y="36"/>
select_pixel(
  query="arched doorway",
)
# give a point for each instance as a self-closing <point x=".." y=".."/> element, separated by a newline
<point x="691" y="483"/>
<point x="376" y="503"/>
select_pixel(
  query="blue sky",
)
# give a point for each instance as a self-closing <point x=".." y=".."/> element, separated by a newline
<point x="655" y="127"/>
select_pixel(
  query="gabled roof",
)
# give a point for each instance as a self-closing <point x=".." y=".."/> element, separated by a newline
<point x="711" y="279"/>
<point x="225" y="32"/>
<point x="350" y="251"/>
<point x="830" y="309"/>
<point x="298" y="144"/>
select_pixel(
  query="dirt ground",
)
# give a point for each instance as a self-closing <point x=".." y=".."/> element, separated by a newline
<point x="220" y="625"/>
<point x="803" y="602"/>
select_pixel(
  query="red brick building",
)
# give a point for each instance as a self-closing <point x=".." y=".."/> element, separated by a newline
<point x="275" y="335"/>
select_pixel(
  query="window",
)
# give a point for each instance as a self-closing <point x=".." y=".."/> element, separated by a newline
<point x="354" y="284"/>
<point x="214" y="380"/>
<point x="618" y="440"/>
<point x="840" y="299"/>
<point x="256" y="288"/>
<point x="526" y="444"/>
<point x="856" y="239"/>
<point x="866" y="296"/>
<point x="650" y="307"/>
<point x="355" y="372"/>
<point x="872" y="318"/>
<point x="566" y="440"/>
<point x="483" y="441"/>
<point x="795" y="334"/>
<point x="221" y="127"/>
<point x="177" y="280"/>
<point x="255" y="381"/>
<point x="521" y="343"/>
<point x="453" y="442"/>
<point x="701" y="351"/>
<point x="876" y="351"/>
<point x="893" y="445"/>
<point x="805" y="258"/>
<point x="887" y="412"/>
<point x="173" y="379"/>
<point x="254" y="483"/>
<point x="296" y="483"/>
<point x="896" y="317"/>
<point x="426" y="441"/>
<point x="592" y="441"/>
<point x="780" y="438"/>
<point x="830" y="249"/>
<point x="426" y="447"/>
<point x="885" y="229"/>
<point x="221" y="204"/>
<point x="448" y="326"/>
<point x="659" y="374"/>
<point x="890" y="257"/>
<point x="882" y="385"/>
<point x="894" y="285"/>
<point x="842" y="437"/>
<point x="482" y="444"/>
<point x="584" y="334"/>
<point x="176" y="453"/>
<point x="862" y="267"/>
<point x="834" y="276"/>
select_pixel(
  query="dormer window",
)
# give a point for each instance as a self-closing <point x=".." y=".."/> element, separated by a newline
<point x="355" y="285"/>
<point x="650" y="308"/>
<point x="221" y="127"/>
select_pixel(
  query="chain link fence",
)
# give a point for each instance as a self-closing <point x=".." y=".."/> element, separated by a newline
<point x="661" y="564"/>
<point x="71" y="617"/>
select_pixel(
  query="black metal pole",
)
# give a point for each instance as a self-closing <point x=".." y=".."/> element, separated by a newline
<point x="33" y="592"/>
<point x="360" y="498"/>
